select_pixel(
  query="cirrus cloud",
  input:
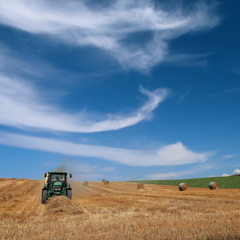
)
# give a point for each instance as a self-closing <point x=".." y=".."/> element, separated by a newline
<point x="23" y="107"/>
<point x="174" y="154"/>
<point x="110" y="27"/>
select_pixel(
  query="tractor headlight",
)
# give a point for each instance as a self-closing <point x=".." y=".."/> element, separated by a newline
<point x="57" y="189"/>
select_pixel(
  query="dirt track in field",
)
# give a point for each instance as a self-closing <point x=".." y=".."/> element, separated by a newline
<point x="118" y="211"/>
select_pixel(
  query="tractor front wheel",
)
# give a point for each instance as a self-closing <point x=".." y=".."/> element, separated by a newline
<point x="44" y="196"/>
<point x="69" y="194"/>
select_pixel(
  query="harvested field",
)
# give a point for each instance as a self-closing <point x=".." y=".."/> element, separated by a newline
<point x="118" y="211"/>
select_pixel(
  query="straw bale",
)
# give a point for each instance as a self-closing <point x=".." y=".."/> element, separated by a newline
<point x="214" y="185"/>
<point x="85" y="183"/>
<point x="103" y="180"/>
<point x="63" y="204"/>
<point x="106" y="182"/>
<point x="140" y="186"/>
<point x="183" y="186"/>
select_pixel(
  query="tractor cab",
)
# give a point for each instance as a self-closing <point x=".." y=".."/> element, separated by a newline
<point x="57" y="178"/>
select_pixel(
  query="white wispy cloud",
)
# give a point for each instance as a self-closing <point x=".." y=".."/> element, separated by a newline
<point x="174" y="175"/>
<point x="22" y="106"/>
<point x="229" y="156"/>
<point x="183" y="96"/>
<point x="224" y="92"/>
<point x="174" y="154"/>
<point x="110" y="27"/>
<point x="163" y="176"/>
<point x="197" y="60"/>
<point x="109" y="169"/>
<point x="13" y="63"/>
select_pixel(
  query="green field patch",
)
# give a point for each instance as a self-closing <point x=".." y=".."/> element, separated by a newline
<point x="225" y="182"/>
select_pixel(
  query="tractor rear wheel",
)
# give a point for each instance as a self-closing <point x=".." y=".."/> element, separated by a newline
<point x="44" y="196"/>
<point x="69" y="194"/>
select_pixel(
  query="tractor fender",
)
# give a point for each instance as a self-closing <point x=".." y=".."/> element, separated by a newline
<point x="45" y="186"/>
<point x="68" y="187"/>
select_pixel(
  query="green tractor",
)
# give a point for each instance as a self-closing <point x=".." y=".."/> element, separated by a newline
<point x="56" y="185"/>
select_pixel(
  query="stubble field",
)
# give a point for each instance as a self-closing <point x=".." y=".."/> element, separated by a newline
<point x="118" y="211"/>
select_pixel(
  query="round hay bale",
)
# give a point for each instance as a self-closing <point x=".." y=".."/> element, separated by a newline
<point x="183" y="186"/>
<point x="140" y="186"/>
<point x="85" y="183"/>
<point x="103" y="180"/>
<point x="106" y="182"/>
<point x="214" y="185"/>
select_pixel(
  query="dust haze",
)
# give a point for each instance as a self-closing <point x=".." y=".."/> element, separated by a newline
<point x="80" y="172"/>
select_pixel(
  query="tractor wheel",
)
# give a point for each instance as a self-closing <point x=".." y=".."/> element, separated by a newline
<point x="44" y="196"/>
<point x="69" y="194"/>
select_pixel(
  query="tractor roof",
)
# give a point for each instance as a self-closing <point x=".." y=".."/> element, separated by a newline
<point x="57" y="172"/>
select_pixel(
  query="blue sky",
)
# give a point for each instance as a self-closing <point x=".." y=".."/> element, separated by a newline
<point x="121" y="90"/>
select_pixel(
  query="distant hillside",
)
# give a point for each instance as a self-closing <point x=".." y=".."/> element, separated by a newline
<point x="225" y="182"/>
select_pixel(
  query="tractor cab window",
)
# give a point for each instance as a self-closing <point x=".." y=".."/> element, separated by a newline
<point x="57" y="178"/>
